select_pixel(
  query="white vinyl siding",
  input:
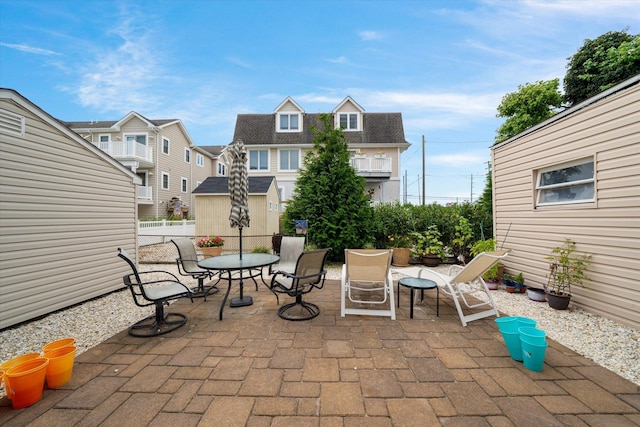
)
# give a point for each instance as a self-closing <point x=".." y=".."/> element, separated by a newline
<point x="608" y="227"/>
<point x="60" y="225"/>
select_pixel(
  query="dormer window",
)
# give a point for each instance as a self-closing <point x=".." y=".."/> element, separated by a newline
<point x="289" y="122"/>
<point x="348" y="121"/>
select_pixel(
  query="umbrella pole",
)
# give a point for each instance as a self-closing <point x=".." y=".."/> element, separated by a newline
<point x="242" y="300"/>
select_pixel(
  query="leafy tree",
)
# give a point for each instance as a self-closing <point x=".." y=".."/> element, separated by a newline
<point x="528" y="106"/>
<point x="330" y="194"/>
<point x="600" y="64"/>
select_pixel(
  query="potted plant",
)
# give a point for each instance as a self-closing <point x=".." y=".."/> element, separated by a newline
<point x="462" y="239"/>
<point x="211" y="246"/>
<point x="401" y="245"/>
<point x="429" y="247"/>
<point x="491" y="276"/>
<point x="520" y="287"/>
<point x="565" y="269"/>
<point x="449" y="255"/>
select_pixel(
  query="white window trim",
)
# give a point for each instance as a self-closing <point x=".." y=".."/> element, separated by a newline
<point x="184" y="184"/>
<point x="146" y="137"/>
<point x="199" y="160"/>
<point x="539" y="188"/>
<point x="268" y="169"/>
<point x="11" y="123"/>
<point x="187" y="151"/>
<point x="168" y="153"/>
<point x="278" y="129"/>
<point x="162" y="175"/>
<point x="348" y="129"/>
<point x="299" y="160"/>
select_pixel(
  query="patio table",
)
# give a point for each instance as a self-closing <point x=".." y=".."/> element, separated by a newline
<point x="233" y="263"/>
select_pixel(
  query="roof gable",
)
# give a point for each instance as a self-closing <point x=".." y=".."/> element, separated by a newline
<point x="289" y="105"/>
<point x="346" y="102"/>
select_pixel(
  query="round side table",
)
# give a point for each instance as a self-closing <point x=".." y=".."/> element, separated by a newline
<point x="414" y="283"/>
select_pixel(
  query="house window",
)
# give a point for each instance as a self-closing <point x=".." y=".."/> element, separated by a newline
<point x="187" y="155"/>
<point x="289" y="159"/>
<point x="222" y="169"/>
<point x="348" y="121"/>
<point x="183" y="184"/>
<point x="165" y="146"/>
<point x="259" y="160"/>
<point x="165" y="181"/>
<point x="11" y="123"/>
<point x="567" y="183"/>
<point x="200" y="160"/>
<point x="140" y="139"/>
<point x="289" y="122"/>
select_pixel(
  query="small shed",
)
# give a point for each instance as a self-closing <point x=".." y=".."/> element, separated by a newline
<point x="213" y="206"/>
<point x="577" y="176"/>
<point x="66" y="208"/>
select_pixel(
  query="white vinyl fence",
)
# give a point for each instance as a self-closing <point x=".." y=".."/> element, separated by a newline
<point x="154" y="232"/>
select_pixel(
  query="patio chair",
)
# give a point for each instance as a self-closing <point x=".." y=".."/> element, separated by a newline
<point x="309" y="274"/>
<point x="465" y="280"/>
<point x="367" y="273"/>
<point x="158" y="292"/>
<point x="290" y="250"/>
<point x="188" y="266"/>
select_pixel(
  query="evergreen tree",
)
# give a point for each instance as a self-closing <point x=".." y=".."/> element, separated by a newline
<point x="330" y="195"/>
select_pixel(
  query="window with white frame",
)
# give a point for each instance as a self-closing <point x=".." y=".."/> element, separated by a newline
<point x="289" y="160"/>
<point x="199" y="160"/>
<point x="187" y="155"/>
<point x="259" y="160"/>
<point x="567" y="183"/>
<point x="104" y="139"/>
<point x="348" y="121"/>
<point x="165" y="181"/>
<point x="289" y="122"/>
<point x="137" y="138"/>
<point x="184" y="183"/>
<point x="165" y="146"/>
<point x="222" y="169"/>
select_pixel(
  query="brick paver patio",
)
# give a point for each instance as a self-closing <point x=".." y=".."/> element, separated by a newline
<point x="255" y="369"/>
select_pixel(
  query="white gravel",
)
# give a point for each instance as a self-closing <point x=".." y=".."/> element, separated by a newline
<point x="609" y="344"/>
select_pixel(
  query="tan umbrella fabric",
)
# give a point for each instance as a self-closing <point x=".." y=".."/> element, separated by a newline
<point x="239" y="186"/>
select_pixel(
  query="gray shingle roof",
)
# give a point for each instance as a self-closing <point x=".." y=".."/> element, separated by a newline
<point x="260" y="129"/>
<point x="220" y="185"/>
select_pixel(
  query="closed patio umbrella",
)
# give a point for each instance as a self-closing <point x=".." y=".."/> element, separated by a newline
<point x="239" y="195"/>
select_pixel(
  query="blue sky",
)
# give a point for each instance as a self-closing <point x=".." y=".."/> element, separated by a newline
<point x="445" y="65"/>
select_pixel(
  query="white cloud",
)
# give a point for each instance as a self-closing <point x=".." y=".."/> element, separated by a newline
<point x="237" y="61"/>
<point x="30" y="49"/>
<point x="369" y="35"/>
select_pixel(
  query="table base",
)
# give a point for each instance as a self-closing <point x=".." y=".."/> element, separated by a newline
<point x="241" y="302"/>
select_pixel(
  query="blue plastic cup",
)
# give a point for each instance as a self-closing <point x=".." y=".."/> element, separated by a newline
<point x="512" y="340"/>
<point x="508" y="324"/>
<point x="532" y="335"/>
<point x="533" y="354"/>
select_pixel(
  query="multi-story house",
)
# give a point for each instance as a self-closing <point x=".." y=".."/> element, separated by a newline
<point x="276" y="144"/>
<point x="162" y="154"/>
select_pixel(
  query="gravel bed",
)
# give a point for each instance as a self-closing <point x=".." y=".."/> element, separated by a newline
<point x="607" y="343"/>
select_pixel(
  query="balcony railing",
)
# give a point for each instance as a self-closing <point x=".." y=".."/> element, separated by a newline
<point x="145" y="193"/>
<point x="127" y="150"/>
<point x="372" y="165"/>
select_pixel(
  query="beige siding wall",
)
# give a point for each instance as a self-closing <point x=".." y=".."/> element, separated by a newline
<point x="65" y="211"/>
<point x="212" y="217"/>
<point x="609" y="229"/>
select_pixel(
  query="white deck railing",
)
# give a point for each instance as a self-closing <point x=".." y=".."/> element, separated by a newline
<point x="127" y="150"/>
<point x="153" y="232"/>
<point x="371" y="164"/>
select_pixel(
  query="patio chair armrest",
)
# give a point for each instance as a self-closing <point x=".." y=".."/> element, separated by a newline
<point x="174" y="277"/>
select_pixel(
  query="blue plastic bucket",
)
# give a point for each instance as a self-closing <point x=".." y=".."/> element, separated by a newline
<point x="512" y="340"/>
<point x="526" y="322"/>
<point x="532" y="335"/>
<point x="508" y="324"/>
<point x="533" y="354"/>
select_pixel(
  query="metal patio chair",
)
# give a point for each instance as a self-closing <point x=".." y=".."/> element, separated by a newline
<point x="187" y="262"/>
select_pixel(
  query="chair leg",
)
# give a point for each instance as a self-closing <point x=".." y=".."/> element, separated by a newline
<point x="305" y="310"/>
<point x="203" y="291"/>
<point x="157" y="324"/>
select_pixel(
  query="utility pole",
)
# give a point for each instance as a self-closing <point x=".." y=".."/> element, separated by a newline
<point x="423" y="175"/>
<point x="471" y="195"/>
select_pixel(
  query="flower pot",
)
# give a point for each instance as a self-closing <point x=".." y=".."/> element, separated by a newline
<point x="492" y="285"/>
<point x="431" y="260"/>
<point x="558" y="302"/>
<point x="13" y="362"/>
<point x="211" y="251"/>
<point x="64" y="342"/>
<point x="26" y="382"/>
<point x="60" y="366"/>
<point x="535" y="294"/>
<point x="401" y="257"/>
